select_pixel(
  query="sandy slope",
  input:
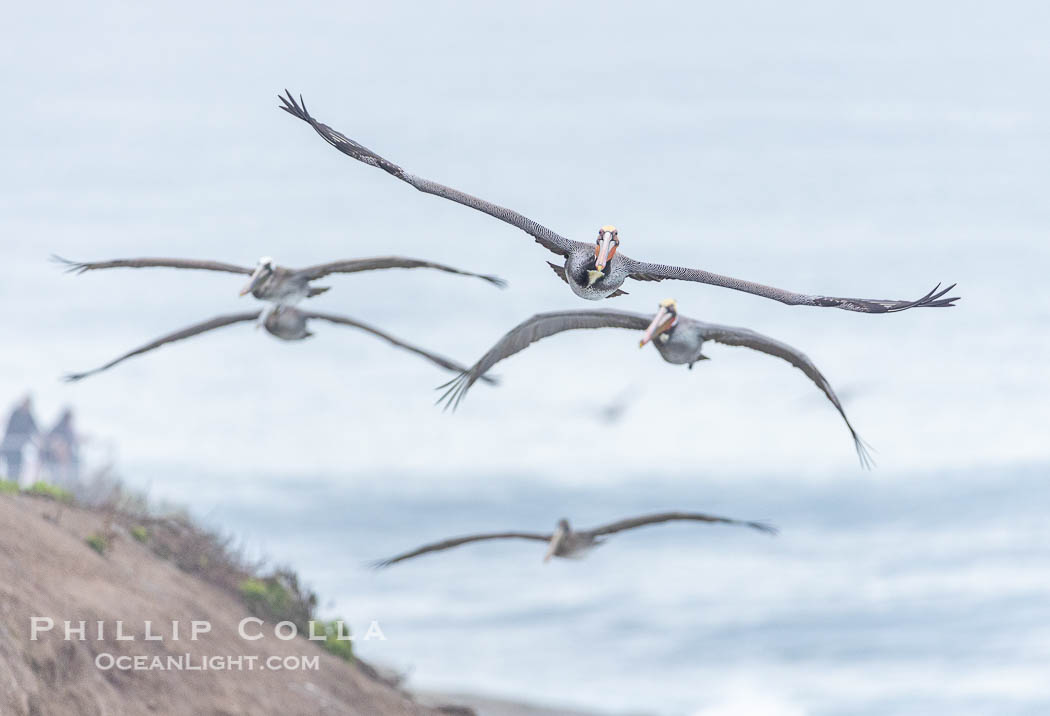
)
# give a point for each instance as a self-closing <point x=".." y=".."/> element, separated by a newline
<point x="46" y="569"/>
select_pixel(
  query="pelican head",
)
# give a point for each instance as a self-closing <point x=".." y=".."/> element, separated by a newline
<point x="557" y="539"/>
<point x="263" y="270"/>
<point x="665" y="318"/>
<point x="604" y="250"/>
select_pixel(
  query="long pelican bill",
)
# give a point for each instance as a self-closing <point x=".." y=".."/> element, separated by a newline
<point x="605" y="249"/>
<point x="254" y="280"/>
<point x="555" y="543"/>
<point x="660" y="323"/>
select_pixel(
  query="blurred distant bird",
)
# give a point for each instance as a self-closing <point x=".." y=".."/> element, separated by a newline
<point x="613" y="411"/>
<point x="567" y="542"/>
<point x="596" y="270"/>
<point x="284" y="322"/>
<point x="679" y="340"/>
<point x="277" y="284"/>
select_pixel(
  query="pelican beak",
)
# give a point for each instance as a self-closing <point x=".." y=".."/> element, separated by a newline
<point x="553" y="545"/>
<point x="254" y="281"/>
<point x="660" y="323"/>
<point x="606" y="248"/>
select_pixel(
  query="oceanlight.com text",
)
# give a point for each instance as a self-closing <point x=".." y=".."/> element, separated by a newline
<point x="188" y="662"/>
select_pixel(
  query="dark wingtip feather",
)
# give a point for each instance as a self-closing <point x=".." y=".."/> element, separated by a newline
<point x="284" y="104"/>
<point x="74" y="377"/>
<point x="864" y="451"/>
<point x="70" y="266"/>
<point x="461" y="393"/>
<point x="765" y="527"/>
<point x="453" y="394"/>
<point x="939" y="302"/>
<point x="447" y="384"/>
<point x="496" y="281"/>
<point x="289" y="105"/>
<point x="933" y="299"/>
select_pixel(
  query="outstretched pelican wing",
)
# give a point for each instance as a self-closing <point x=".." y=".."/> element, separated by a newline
<point x="732" y="336"/>
<point x="643" y="271"/>
<point x="457" y="541"/>
<point x="432" y="357"/>
<point x="82" y="266"/>
<point x="188" y="332"/>
<point x="631" y="523"/>
<point x="528" y="332"/>
<point x="389" y="262"/>
<point x="544" y="236"/>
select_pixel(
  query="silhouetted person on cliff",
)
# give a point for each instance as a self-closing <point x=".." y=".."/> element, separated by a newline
<point x="59" y="451"/>
<point x="21" y="430"/>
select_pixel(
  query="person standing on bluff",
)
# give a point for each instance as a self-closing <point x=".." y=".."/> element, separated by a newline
<point x="59" y="453"/>
<point x="21" y="429"/>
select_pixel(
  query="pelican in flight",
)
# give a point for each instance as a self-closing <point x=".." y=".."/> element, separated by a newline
<point x="569" y="543"/>
<point x="596" y="270"/>
<point x="679" y="340"/>
<point x="277" y="284"/>
<point x="284" y="322"/>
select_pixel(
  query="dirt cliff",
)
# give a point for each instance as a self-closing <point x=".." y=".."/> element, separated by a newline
<point x="47" y="569"/>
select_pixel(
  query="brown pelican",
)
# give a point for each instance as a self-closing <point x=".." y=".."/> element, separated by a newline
<point x="284" y="322"/>
<point x="567" y="542"/>
<point x="678" y="339"/>
<point x="597" y="270"/>
<point x="277" y="284"/>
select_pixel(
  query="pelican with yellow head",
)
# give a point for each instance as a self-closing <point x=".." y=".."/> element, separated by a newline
<point x="595" y="270"/>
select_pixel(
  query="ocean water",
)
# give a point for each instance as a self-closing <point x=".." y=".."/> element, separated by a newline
<point x="923" y="593"/>
<point x="839" y="150"/>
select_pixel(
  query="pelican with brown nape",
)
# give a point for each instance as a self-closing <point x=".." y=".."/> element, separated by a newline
<point x="567" y="543"/>
<point x="270" y="282"/>
<point x="597" y="269"/>
<point x="679" y="340"/>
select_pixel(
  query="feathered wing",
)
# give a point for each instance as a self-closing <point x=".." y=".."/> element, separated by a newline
<point x="82" y="266"/>
<point x="633" y="522"/>
<point x="528" y="332"/>
<point x="643" y="271"/>
<point x="544" y="236"/>
<point x="188" y="332"/>
<point x="732" y="336"/>
<point x="457" y="541"/>
<point x="390" y="262"/>
<point x="445" y="363"/>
